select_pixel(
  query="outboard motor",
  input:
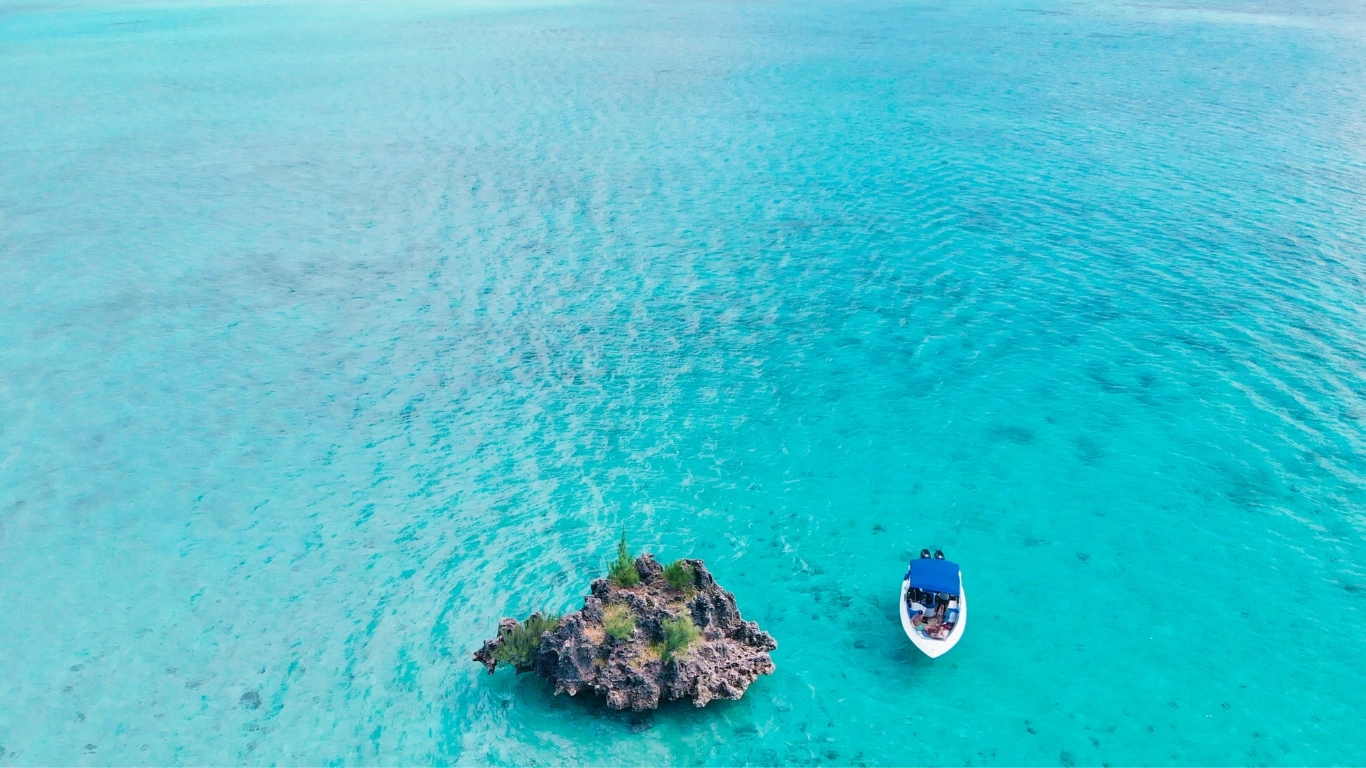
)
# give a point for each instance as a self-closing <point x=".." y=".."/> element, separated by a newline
<point x="924" y="554"/>
<point x="938" y="554"/>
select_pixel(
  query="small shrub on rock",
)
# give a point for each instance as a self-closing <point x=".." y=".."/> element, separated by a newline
<point x="679" y="634"/>
<point x="518" y="647"/>
<point x="619" y="622"/>
<point x="622" y="571"/>
<point x="679" y="575"/>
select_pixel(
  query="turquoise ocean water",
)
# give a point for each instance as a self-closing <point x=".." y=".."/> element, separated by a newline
<point x="332" y="332"/>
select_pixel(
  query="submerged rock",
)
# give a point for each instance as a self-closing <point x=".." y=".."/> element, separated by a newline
<point x="641" y="667"/>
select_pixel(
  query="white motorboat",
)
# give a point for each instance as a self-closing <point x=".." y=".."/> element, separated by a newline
<point x="934" y="607"/>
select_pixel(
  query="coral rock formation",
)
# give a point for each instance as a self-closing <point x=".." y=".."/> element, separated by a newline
<point x="637" y="672"/>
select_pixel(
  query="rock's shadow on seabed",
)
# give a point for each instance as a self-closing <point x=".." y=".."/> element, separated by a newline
<point x="530" y="690"/>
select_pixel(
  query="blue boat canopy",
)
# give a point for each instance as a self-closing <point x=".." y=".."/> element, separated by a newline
<point x="934" y="575"/>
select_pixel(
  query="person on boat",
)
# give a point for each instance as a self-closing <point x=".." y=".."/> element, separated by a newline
<point x="914" y="597"/>
<point x="933" y="620"/>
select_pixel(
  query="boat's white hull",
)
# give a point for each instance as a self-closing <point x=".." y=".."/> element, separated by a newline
<point x="928" y="646"/>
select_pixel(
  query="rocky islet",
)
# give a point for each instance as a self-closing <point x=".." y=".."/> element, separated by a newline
<point x="645" y="664"/>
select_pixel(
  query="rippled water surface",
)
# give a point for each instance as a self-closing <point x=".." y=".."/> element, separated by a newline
<point x="330" y="333"/>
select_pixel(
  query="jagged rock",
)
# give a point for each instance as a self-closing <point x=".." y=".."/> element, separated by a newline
<point x="486" y="655"/>
<point x="579" y="655"/>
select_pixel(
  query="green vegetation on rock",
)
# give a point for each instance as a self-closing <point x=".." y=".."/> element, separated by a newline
<point x="619" y="622"/>
<point x="678" y="574"/>
<point x="679" y="634"/>
<point x="623" y="571"/>
<point x="518" y="647"/>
